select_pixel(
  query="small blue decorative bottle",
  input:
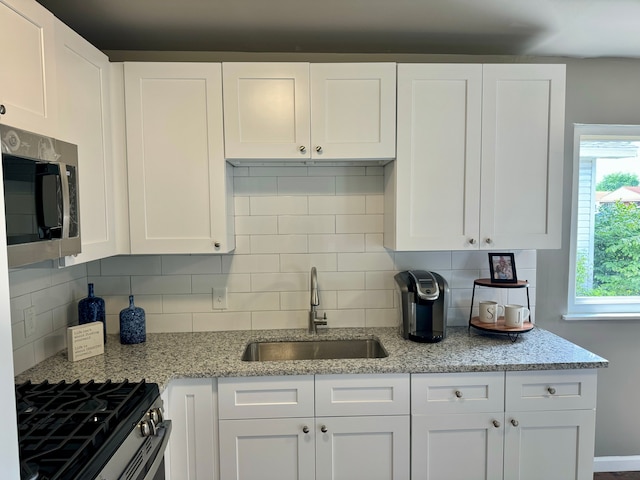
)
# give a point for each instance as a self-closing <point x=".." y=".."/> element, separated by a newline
<point x="91" y="309"/>
<point x="132" y="324"/>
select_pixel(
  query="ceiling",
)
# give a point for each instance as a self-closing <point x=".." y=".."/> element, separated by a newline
<point x="573" y="28"/>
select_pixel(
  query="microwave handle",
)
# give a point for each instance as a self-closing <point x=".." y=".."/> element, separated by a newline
<point x="64" y="184"/>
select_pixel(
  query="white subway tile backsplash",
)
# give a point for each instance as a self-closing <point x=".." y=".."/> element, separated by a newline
<point x="278" y="244"/>
<point x="306" y="186"/>
<point x="132" y="265"/>
<point x="364" y="185"/>
<point x="256" y="225"/>
<point x="169" y="322"/>
<point x="190" y="264"/>
<point x="306" y="224"/>
<point x="158" y="284"/>
<point x="303" y="263"/>
<point x="293" y="205"/>
<point x="258" y="186"/>
<point x="250" y="263"/>
<point x="221" y="321"/>
<point x="278" y="282"/>
<point x="339" y="204"/>
<point x="287" y="220"/>
<point x="362" y="262"/>
<point x="359" y="224"/>
<point x="348" y="242"/>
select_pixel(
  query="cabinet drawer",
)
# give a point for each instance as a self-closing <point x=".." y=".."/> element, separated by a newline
<point x="551" y="390"/>
<point x="355" y="395"/>
<point x="457" y="392"/>
<point x="265" y="397"/>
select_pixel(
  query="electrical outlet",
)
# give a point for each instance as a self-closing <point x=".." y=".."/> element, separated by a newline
<point x="220" y="298"/>
<point x="29" y="321"/>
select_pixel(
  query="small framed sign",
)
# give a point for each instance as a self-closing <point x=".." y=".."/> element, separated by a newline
<point x="503" y="268"/>
<point x="84" y="341"/>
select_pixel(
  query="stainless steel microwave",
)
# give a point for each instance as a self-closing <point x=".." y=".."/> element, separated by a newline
<point x="40" y="179"/>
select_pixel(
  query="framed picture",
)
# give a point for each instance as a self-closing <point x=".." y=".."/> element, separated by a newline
<point x="503" y="268"/>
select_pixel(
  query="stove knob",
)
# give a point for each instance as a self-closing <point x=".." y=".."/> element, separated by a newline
<point x="155" y="415"/>
<point x="147" y="428"/>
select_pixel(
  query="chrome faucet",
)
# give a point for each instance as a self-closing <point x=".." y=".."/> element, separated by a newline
<point x="314" y="320"/>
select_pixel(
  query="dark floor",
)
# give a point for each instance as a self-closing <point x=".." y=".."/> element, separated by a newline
<point x="617" y="476"/>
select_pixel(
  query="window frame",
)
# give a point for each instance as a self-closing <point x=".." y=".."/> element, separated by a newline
<point x="594" y="308"/>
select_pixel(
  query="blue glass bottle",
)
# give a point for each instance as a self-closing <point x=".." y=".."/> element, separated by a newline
<point x="91" y="309"/>
<point x="133" y="327"/>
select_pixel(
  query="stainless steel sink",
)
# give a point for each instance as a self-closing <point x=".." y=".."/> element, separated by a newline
<point x="313" y="350"/>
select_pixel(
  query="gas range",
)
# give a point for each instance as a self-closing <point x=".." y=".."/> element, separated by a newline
<point x="91" y="431"/>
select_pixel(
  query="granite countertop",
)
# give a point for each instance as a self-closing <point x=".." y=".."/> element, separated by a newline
<point x="167" y="356"/>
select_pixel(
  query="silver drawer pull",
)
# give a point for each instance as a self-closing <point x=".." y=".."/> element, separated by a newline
<point x="305" y="429"/>
<point x="551" y="390"/>
<point x="514" y="422"/>
<point x="496" y="423"/>
<point x="458" y="394"/>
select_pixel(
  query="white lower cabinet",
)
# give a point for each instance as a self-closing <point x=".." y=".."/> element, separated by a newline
<point x="373" y="444"/>
<point x="518" y="426"/>
<point x="191" y="404"/>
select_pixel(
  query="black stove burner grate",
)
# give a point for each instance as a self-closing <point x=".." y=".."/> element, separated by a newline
<point x="70" y="430"/>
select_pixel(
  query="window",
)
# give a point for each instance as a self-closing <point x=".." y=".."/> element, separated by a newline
<point x="604" y="272"/>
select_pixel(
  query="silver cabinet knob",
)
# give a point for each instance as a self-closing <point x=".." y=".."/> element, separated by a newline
<point x="551" y="390"/>
<point x="305" y="429"/>
<point x="319" y="148"/>
<point x="514" y="422"/>
<point x="496" y="423"/>
<point x="3" y="110"/>
<point x="216" y="244"/>
<point x="458" y="394"/>
<point x="472" y="241"/>
<point x="302" y="149"/>
<point x="489" y="241"/>
<point x="324" y="429"/>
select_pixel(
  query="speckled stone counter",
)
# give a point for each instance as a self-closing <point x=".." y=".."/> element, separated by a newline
<point x="166" y="356"/>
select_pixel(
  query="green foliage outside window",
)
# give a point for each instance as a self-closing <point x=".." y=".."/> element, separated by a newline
<point x="613" y="181"/>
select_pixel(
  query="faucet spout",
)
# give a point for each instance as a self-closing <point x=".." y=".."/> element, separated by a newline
<point x="314" y="319"/>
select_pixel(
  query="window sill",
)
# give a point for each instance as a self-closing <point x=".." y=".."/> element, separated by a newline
<point x="601" y="316"/>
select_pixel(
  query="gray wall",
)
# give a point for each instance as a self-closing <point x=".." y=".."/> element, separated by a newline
<point x="598" y="91"/>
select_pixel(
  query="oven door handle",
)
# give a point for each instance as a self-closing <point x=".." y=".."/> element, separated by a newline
<point x="165" y="427"/>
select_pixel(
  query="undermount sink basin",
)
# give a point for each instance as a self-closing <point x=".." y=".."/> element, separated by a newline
<point x="313" y="350"/>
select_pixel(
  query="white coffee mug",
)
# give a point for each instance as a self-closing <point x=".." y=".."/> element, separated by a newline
<point x="515" y="315"/>
<point x="490" y="311"/>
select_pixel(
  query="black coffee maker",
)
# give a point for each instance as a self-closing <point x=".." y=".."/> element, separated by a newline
<point x="424" y="300"/>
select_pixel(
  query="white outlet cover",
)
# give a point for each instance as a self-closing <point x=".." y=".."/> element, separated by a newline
<point x="29" y="321"/>
<point x="219" y="298"/>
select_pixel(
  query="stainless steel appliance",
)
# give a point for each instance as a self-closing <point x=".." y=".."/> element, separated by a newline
<point x="91" y="431"/>
<point x="40" y="179"/>
<point x="424" y="298"/>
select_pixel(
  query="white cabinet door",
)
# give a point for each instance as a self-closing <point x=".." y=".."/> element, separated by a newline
<point x="458" y="447"/>
<point x="557" y="444"/>
<point x="192" y="407"/>
<point x="353" y="110"/>
<point x="28" y="74"/>
<point x="84" y="113"/>
<point x="267" y="449"/>
<point x="479" y="158"/>
<point x="298" y="111"/>
<point x="180" y="198"/>
<point x="266" y="110"/>
<point x="372" y="448"/>
<point x="433" y="187"/>
<point x="522" y="156"/>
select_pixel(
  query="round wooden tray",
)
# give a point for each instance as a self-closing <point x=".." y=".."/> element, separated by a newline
<point x="500" y="327"/>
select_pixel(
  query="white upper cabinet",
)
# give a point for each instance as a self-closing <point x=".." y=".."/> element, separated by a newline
<point x="309" y="112"/>
<point x="28" y="92"/>
<point x="180" y="199"/>
<point x="84" y="114"/>
<point x="479" y="161"/>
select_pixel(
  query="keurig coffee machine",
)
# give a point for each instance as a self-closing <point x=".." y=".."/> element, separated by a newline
<point x="423" y="304"/>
